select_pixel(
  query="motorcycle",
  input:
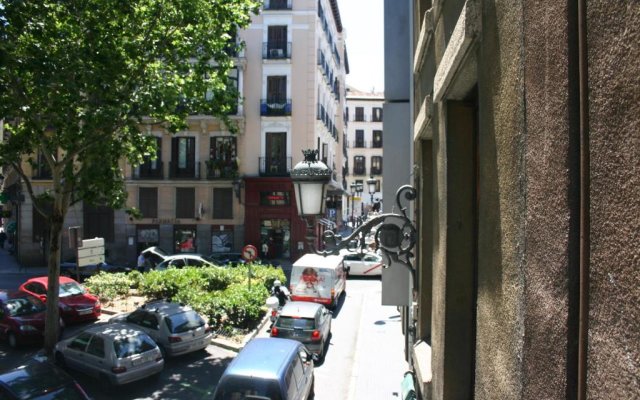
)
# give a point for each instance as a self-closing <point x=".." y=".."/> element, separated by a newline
<point x="273" y="304"/>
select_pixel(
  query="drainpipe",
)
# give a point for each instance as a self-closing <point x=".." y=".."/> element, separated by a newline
<point x="584" y="202"/>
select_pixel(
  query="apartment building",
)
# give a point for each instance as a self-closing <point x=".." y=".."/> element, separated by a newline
<point x="210" y="190"/>
<point x="364" y="150"/>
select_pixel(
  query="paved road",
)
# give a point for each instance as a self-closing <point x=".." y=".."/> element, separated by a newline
<point x="364" y="359"/>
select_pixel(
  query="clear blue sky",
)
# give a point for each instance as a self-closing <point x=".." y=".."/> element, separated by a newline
<point x="363" y="23"/>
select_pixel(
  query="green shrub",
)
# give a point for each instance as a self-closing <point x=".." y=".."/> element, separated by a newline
<point x="108" y="286"/>
<point x="260" y="274"/>
<point x="135" y="277"/>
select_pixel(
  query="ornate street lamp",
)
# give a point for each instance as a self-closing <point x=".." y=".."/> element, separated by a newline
<point x="372" y="183"/>
<point x="395" y="235"/>
<point x="310" y="178"/>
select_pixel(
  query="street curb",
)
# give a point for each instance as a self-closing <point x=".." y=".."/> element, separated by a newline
<point x="233" y="346"/>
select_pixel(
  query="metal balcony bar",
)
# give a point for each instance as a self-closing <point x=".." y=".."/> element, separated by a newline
<point x="147" y="171"/>
<point x="190" y="171"/>
<point x="275" y="50"/>
<point x="270" y="166"/>
<point x="277" y="5"/>
<point x="275" y="107"/>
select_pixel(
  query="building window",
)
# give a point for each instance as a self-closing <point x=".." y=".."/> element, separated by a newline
<point x="275" y="199"/>
<point x="41" y="169"/>
<point x="358" y="165"/>
<point x="376" y="114"/>
<point x="98" y="222"/>
<point x="276" y="103"/>
<point x="184" y="237"/>
<point x="376" y="165"/>
<point x="147" y="236"/>
<point x="276" y="42"/>
<point x="221" y="241"/>
<point x="185" y="202"/>
<point x="183" y="157"/>
<point x="359" y="138"/>
<point x="148" y="202"/>
<point x="359" y="114"/>
<point x="377" y="139"/>
<point x="222" y="157"/>
<point x="40" y="227"/>
<point x="223" y="203"/>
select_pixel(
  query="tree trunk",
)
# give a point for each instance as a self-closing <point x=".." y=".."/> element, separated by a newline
<point x="52" y="324"/>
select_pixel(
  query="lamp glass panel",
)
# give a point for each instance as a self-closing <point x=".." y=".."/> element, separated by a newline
<point x="312" y="197"/>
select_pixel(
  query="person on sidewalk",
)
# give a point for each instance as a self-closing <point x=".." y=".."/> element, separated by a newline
<point x="3" y="238"/>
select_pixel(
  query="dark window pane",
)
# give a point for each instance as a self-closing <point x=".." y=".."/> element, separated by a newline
<point x="223" y="203"/>
<point x="185" y="203"/>
<point x="98" y="222"/>
<point x="148" y="202"/>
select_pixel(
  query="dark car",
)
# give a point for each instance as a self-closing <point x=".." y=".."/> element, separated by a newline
<point x="227" y="259"/>
<point x="39" y="380"/>
<point x="76" y="304"/>
<point x="268" y="368"/>
<point x="22" y="318"/>
<point x="306" y="322"/>
<point x="69" y="269"/>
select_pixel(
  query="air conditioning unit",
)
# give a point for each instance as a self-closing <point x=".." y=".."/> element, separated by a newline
<point x="276" y="53"/>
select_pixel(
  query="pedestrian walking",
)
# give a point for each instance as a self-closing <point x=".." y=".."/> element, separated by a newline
<point x="3" y="238"/>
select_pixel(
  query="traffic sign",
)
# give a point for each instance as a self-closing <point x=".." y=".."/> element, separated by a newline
<point x="91" y="252"/>
<point x="249" y="252"/>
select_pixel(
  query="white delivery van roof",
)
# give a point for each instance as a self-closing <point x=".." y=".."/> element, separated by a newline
<point x="318" y="261"/>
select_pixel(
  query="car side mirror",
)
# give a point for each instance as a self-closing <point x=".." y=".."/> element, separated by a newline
<point x="313" y="357"/>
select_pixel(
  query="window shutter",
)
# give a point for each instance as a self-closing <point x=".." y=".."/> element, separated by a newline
<point x="222" y="203"/>
<point x="185" y="202"/>
<point x="148" y="202"/>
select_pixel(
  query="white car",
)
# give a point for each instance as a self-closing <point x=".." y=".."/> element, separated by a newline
<point x="114" y="353"/>
<point x="176" y="328"/>
<point x="363" y="264"/>
<point x="184" y="260"/>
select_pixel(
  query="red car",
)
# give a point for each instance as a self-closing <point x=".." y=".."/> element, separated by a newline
<point x="76" y="304"/>
<point x="22" y="318"/>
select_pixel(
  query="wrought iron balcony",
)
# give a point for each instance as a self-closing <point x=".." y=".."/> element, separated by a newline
<point x="277" y="5"/>
<point x="221" y="170"/>
<point x="275" y="107"/>
<point x="276" y="50"/>
<point x="149" y="170"/>
<point x="189" y="171"/>
<point x="270" y="166"/>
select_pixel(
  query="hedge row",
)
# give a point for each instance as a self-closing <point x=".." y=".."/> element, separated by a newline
<point x="231" y="298"/>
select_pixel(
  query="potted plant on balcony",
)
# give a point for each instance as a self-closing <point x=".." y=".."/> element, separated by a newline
<point x="214" y="167"/>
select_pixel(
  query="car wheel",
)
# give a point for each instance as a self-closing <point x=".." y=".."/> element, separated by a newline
<point x="59" y="360"/>
<point x="13" y="340"/>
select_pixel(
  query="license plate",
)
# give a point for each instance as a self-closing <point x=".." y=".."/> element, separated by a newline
<point x="85" y="312"/>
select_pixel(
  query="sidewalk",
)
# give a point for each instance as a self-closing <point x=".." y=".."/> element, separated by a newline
<point x="9" y="265"/>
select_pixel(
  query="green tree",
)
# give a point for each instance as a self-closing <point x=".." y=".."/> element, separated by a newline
<point x="78" y="80"/>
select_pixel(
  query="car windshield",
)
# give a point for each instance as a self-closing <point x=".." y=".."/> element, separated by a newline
<point x="70" y="289"/>
<point x="238" y="388"/>
<point x="295" y="323"/>
<point x="24" y="306"/>
<point x="131" y="345"/>
<point x="184" y="321"/>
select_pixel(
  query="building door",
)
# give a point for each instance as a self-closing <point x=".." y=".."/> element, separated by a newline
<point x="276" y="152"/>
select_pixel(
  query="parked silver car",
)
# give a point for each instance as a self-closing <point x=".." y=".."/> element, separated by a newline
<point x="184" y="260"/>
<point x="114" y="353"/>
<point x="306" y="322"/>
<point x="177" y="328"/>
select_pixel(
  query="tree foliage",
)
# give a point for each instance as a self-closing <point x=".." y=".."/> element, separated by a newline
<point x="78" y="79"/>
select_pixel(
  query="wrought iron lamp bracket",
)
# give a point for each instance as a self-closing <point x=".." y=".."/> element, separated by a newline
<point x="395" y="235"/>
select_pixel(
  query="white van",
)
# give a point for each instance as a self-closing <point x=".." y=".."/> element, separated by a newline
<point x="318" y="279"/>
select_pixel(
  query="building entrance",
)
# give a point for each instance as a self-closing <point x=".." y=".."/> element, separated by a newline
<point x="276" y="235"/>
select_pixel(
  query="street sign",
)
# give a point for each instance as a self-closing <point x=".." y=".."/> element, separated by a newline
<point x="249" y="252"/>
<point x="91" y="252"/>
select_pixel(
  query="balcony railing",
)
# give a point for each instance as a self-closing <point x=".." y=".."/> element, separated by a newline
<point x="277" y="5"/>
<point x="275" y="107"/>
<point x="190" y="171"/>
<point x="359" y="171"/>
<point x="270" y="166"/>
<point x="219" y="170"/>
<point x="147" y="171"/>
<point x="42" y="174"/>
<point x="275" y="50"/>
